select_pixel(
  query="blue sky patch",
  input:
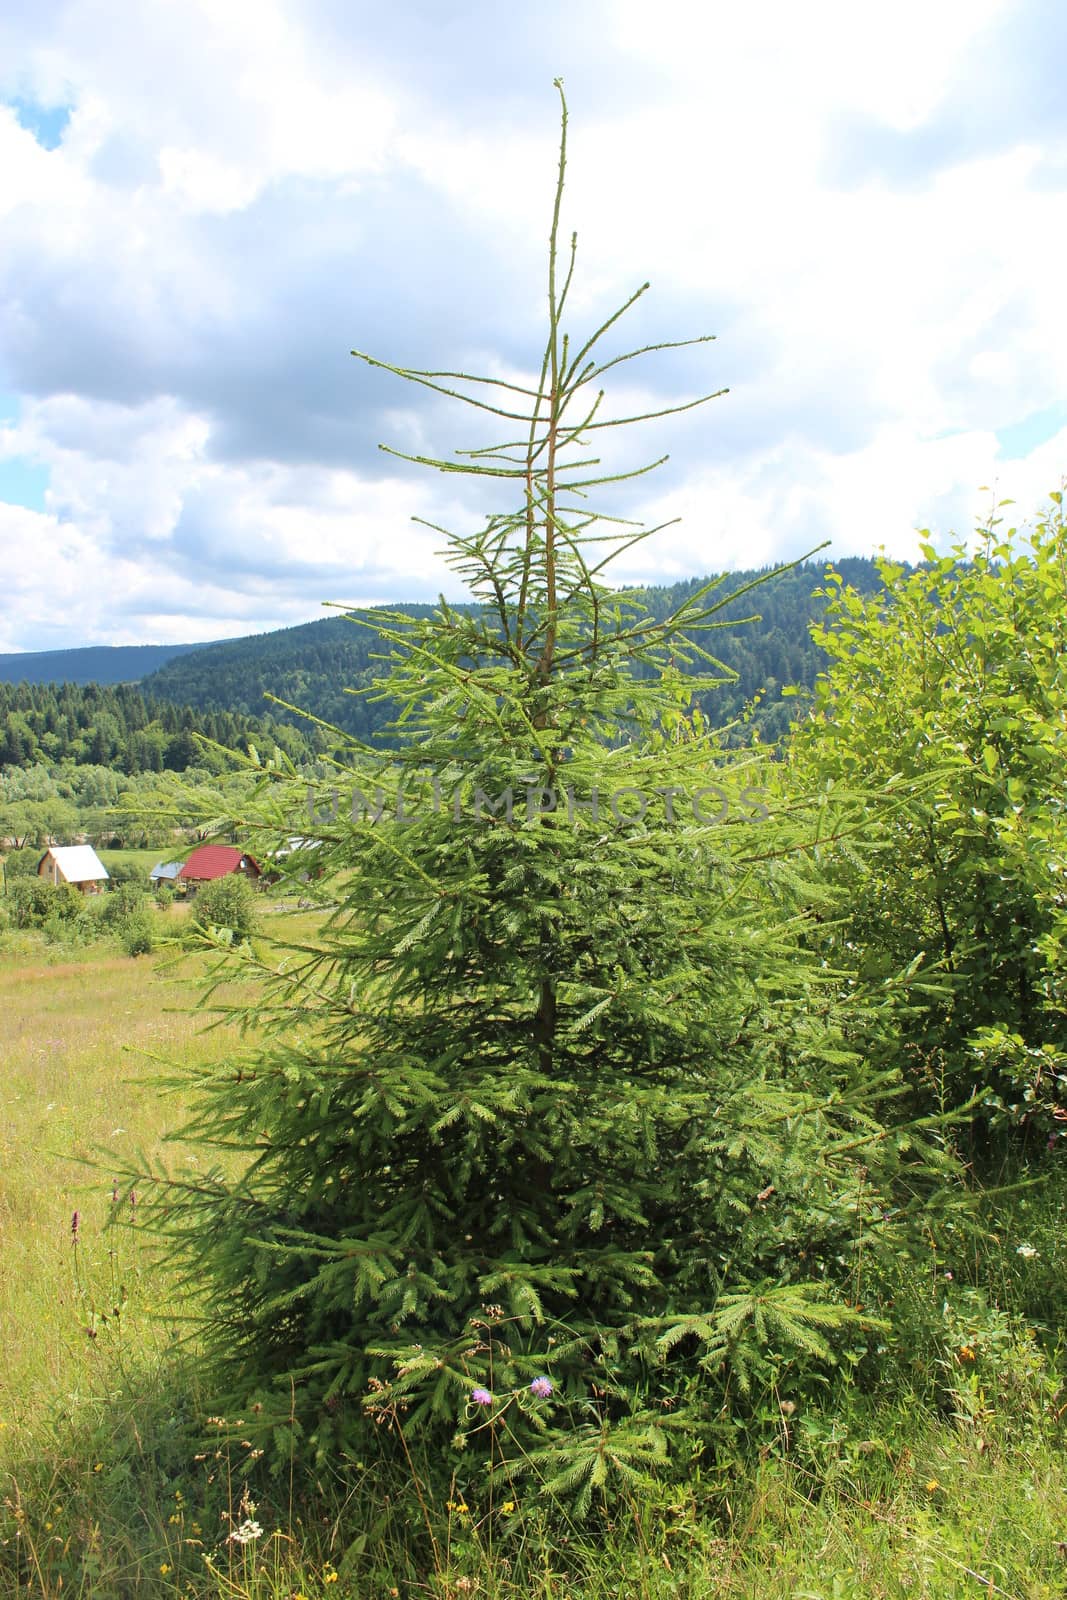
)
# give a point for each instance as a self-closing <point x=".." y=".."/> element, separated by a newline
<point x="46" y="123"/>
<point x="1020" y="438"/>
<point x="22" y="483"/>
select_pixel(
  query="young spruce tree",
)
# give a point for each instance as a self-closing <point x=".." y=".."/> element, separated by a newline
<point x="556" y="1135"/>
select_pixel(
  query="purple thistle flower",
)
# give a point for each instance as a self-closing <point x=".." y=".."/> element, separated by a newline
<point x="481" y="1397"/>
<point x="75" y="1225"/>
<point x="541" y="1387"/>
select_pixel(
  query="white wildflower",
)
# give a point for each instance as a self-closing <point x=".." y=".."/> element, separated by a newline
<point x="245" y="1534"/>
<point x="1027" y="1252"/>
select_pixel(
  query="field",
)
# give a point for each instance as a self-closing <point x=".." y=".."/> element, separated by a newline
<point x="69" y="1089"/>
<point x="102" y="1493"/>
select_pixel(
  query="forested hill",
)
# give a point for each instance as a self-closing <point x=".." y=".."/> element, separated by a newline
<point x="123" y="663"/>
<point x="311" y="666"/>
<point x="116" y="726"/>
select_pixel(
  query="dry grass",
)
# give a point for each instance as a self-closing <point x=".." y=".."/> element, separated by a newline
<point x="84" y="1035"/>
<point x="76" y="1038"/>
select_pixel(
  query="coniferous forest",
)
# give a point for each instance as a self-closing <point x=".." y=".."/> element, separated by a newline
<point x="122" y="728"/>
<point x="327" y="667"/>
<point x="229" y="691"/>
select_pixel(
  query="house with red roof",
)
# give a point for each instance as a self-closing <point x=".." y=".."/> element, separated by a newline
<point x="216" y="861"/>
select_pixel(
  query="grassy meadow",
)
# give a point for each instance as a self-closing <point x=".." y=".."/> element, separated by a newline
<point x="110" y="1485"/>
<point x="104" y="1493"/>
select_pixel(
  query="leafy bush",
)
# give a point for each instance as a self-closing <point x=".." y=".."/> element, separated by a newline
<point x="228" y="902"/>
<point x="64" y="930"/>
<point x="21" y="864"/>
<point x="945" y="704"/>
<point x="26" y="902"/>
<point x="137" y="932"/>
<point x="31" y="902"/>
<point x="123" y="902"/>
<point x="127" y="914"/>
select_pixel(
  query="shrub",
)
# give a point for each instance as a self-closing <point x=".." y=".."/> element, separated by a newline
<point x="127" y="914"/>
<point x="67" y="930"/>
<point x="227" y="903"/>
<point x="27" y="902"/>
<point x="122" y="902"/>
<point x="21" y="864"/>
<point x="945" y="702"/>
<point x="31" y="902"/>
<point x="137" y="932"/>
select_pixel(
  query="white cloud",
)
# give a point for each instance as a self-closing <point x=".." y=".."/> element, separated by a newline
<point x="144" y="537"/>
<point x="243" y="192"/>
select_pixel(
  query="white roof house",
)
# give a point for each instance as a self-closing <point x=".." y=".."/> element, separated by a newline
<point x="73" y="863"/>
<point x="295" y="843"/>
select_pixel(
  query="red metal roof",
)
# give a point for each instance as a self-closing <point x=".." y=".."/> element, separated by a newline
<point x="216" y="861"/>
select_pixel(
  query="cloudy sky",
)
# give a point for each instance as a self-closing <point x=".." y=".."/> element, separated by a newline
<point x="205" y="204"/>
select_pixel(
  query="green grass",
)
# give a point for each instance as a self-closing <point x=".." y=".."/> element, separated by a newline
<point x="76" y="1081"/>
<point x="102" y="1493"/>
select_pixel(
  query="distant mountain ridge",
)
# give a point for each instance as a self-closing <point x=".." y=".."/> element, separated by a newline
<point x="98" y="663"/>
<point x="314" y="665"/>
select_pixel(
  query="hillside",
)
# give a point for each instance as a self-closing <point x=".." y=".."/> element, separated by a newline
<point x="117" y="726"/>
<point x="313" y="665"/>
<point x="107" y="664"/>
